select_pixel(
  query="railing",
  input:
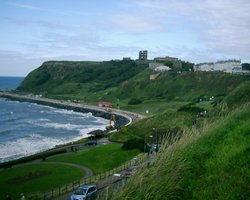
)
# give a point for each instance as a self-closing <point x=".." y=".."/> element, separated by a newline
<point x="101" y="180"/>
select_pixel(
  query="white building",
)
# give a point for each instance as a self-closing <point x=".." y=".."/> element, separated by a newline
<point x="159" y="67"/>
<point x="229" y="66"/>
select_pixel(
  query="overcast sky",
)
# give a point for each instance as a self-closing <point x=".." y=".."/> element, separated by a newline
<point x="34" y="31"/>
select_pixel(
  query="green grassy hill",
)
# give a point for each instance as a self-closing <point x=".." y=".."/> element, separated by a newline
<point x="175" y="96"/>
<point x="204" y="157"/>
<point x="208" y="162"/>
<point x="125" y="83"/>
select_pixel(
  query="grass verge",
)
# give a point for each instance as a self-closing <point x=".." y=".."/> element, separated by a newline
<point x="32" y="179"/>
<point x="99" y="159"/>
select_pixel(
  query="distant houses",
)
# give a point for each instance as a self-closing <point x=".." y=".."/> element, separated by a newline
<point x="228" y="66"/>
<point x="167" y="63"/>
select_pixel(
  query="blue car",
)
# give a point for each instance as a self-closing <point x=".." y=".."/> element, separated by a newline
<point x="84" y="192"/>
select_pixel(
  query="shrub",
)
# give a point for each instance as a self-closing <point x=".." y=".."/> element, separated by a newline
<point x="134" y="144"/>
<point x="134" y="101"/>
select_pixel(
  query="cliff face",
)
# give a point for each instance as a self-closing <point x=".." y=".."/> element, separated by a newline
<point x="54" y="73"/>
<point x="124" y="80"/>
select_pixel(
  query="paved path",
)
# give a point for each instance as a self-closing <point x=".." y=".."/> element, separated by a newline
<point x="87" y="172"/>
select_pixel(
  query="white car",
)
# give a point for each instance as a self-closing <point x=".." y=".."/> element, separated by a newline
<point x="84" y="192"/>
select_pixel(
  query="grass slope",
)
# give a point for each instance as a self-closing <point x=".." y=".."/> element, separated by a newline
<point x="122" y="81"/>
<point x="213" y="164"/>
<point x="210" y="161"/>
<point x="219" y="162"/>
<point x="99" y="159"/>
<point x="32" y="179"/>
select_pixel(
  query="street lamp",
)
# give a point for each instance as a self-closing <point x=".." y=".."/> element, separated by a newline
<point x="146" y="144"/>
<point x="156" y="140"/>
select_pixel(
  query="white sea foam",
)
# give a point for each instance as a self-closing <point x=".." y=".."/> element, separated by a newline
<point x="27" y="146"/>
<point x="67" y="126"/>
<point x="19" y="141"/>
<point x="35" y="143"/>
<point x="44" y="120"/>
<point x="71" y="112"/>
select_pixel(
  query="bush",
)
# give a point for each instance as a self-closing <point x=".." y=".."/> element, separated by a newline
<point x="134" y="101"/>
<point x="134" y="144"/>
<point x="190" y="109"/>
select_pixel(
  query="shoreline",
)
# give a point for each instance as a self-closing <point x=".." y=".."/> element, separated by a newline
<point x="123" y="118"/>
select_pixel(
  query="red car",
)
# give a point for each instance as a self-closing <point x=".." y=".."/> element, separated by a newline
<point x="130" y="171"/>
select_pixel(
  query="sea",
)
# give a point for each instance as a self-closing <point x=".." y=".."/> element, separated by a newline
<point x="29" y="128"/>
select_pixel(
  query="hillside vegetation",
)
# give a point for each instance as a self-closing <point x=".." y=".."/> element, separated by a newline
<point x="204" y="157"/>
<point x="208" y="162"/>
<point x="172" y="100"/>
<point x="125" y="83"/>
<point x="211" y="164"/>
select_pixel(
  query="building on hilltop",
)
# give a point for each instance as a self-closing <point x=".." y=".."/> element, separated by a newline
<point x="143" y="55"/>
<point x="166" y="58"/>
<point x="159" y="67"/>
<point x="126" y="58"/>
<point x="239" y="70"/>
<point x="228" y="66"/>
<point x="173" y="62"/>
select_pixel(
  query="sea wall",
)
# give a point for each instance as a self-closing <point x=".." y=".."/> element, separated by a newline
<point x="120" y="118"/>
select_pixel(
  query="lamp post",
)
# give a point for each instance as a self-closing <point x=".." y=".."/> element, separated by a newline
<point x="156" y="140"/>
<point x="146" y="144"/>
<point x="148" y="161"/>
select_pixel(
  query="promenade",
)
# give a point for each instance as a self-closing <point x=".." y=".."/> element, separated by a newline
<point x="123" y="118"/>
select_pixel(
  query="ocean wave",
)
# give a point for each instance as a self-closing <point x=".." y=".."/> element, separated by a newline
<point x="12" y="119"/>
<point x="67" y="126"/>
<point x="44" y="120"/>
<point x="71" y="112"/>
<point x="52" y="126"/>
<point x="35" y="143"/>
<point x="32" y="144"/>
<point x="6" y="132"/>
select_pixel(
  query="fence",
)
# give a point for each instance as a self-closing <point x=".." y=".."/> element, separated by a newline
<point x="117" y="184"/>
<point x="101" y="180"/>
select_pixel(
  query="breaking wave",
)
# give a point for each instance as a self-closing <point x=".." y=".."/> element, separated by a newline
<point x="31" y="128"/>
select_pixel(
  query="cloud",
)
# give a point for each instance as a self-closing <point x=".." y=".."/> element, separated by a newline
<point x="17" y="64"/>
<point x="221" y="25"/>
<point x="52" y="25"/>
<point x="136" y="22"/>
<point x="49" y="10"/>
<point x="26" y="6"/>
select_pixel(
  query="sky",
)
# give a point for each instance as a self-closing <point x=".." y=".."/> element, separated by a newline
<point x="35" y="31"/>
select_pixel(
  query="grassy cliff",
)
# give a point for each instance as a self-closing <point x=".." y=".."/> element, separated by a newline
<point x="204" y="157"/>
<point x="171" y="101"/>
<point x="125" y="83"/>
<point x="208" y="162"/>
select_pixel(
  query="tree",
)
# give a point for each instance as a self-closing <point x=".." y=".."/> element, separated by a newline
<point x="245" y="66"/>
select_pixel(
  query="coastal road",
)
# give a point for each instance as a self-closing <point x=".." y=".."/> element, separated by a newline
<point x="42" y="100"/>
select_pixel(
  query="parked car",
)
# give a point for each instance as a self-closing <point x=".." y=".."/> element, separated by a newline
<point x="84" y="192"/>
<point x="130" y="171"/>
<point x="91" y="143"/>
